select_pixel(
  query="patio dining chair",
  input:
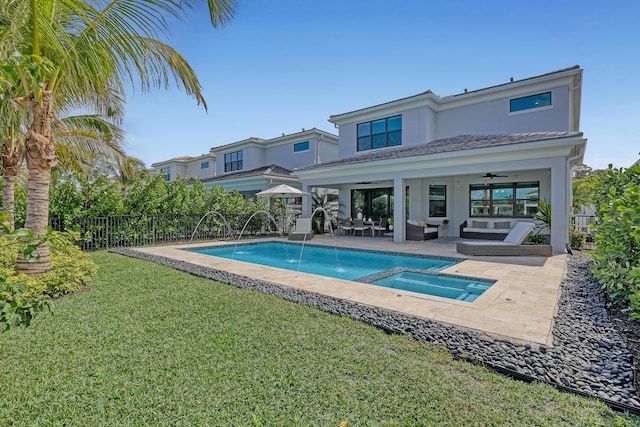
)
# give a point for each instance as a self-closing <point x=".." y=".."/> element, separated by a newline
<point x="344" y="226"/>
<point x="381" y="227"/>
<point x="359" y="225"/>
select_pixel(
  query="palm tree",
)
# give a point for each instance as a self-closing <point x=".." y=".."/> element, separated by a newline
<point x="73" y="52"/>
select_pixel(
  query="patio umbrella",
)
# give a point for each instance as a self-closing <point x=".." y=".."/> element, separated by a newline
<point x="282" y="191"/>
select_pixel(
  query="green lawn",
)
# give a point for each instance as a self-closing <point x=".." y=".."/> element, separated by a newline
<point x="152" y="346"/>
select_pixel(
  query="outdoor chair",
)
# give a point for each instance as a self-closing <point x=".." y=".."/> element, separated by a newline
<point x="381" y="228"/>
<point x="512" y="245"/>
<point x="344" y="226"/>
<point x="303" y="230"/>
<point x="358" y="225"/>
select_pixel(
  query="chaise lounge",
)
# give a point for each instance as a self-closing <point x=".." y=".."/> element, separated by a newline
<point x="303" y="230"/>
<point x="511" y="245"/>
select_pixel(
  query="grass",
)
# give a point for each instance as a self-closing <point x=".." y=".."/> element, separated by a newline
<point x="149" y="345"/>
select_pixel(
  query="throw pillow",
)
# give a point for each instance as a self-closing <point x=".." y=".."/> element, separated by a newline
<point x="479" y="224"/>
<point x="502" y="224"/>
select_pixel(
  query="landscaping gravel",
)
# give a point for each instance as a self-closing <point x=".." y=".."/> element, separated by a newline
<point x="588" y="356"/>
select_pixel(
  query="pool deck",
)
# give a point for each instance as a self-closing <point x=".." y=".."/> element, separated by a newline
<point x="520" y="307"/>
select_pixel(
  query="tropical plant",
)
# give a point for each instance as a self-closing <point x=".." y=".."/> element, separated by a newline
<point x="80" y="53"/>
<point x="328" y="204"/>
<point x="17" y="306"/>
<point x="617" y="236"/>
<point x="544" y="214"/>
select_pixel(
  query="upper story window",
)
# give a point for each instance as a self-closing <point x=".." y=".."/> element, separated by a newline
<point x="530" y="102"/>
<point x="204" y="165"/>
<point x="438" y="201"/>
<point x="516" y="199"/>
<point x="166" y="172"/>
<point x="301" y="146"/>
<point x="380" y="133"/>
<point x="233" y="161"/>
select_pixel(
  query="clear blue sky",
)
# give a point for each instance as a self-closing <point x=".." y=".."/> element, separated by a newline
<point x="283" y="65"/>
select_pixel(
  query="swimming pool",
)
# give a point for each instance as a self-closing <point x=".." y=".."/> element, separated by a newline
<point x="339" y="263"/>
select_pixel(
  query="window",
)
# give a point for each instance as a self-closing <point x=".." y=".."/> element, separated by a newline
<point x="167" y="173"/>
<point x="204" y="165"/>
<point x="530" y="102"/>
<point x="438" y="201"/>
<point x="301" y="146"/>
<point x="380" y="133"/>
<point x="375" y="203"/>
<point x="233" y="161"/>
<point x="518" y="199"/>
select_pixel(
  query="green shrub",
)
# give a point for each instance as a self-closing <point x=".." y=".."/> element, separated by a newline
<point x="70" y="268"/>
<point x="538" y="239"/>
<point x="617" y="236"/>
<point x="577" y="239"/>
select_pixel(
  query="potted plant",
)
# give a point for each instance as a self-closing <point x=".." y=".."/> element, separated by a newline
<point x="390" y="224"/>
<point x="445" y="226"/>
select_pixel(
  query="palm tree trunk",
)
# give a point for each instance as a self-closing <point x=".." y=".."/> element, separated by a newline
<point x="41" y="157"/>
<point x="8" y="203"/>
<point x="10" y="157"/>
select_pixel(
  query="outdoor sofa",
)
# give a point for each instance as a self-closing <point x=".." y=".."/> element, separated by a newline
<point x="487" y="228"/>
<point x="420" y="230"/>
<point x="512" y="245"/>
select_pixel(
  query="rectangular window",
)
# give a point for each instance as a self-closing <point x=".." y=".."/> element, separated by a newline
<point x="301" y="146"/>
<point x="530" y="102"/>
<point x="204" y="165"/>
<point x="438" y="201"/>
<point x="373" y="203"/>
<point x="233" y="161"/>
<point x="517" y="199"/>
<point x="380" y="133"/>
<point x="167" y="173"/>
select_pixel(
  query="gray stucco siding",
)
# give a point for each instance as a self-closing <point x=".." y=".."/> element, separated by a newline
<point x="493" y="117"/>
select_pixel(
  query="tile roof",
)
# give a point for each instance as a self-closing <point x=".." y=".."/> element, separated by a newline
<point x="456" y="143"/>
<point x="272" y="170"/>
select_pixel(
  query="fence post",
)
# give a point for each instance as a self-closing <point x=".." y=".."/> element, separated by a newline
<point x="108" y="235"/>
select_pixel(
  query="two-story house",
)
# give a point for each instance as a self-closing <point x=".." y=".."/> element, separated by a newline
<point x="255" y="164"/>
<point x="476" y="157"/>
<point x="201" y="167"/>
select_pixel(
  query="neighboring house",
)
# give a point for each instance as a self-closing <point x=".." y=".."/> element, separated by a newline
<point x="286" y="152"/>
<point x="250" y="182"/>
<point x="201" y="167"/>
<point x="486" y="154"/>
<point x="254" y="164"/>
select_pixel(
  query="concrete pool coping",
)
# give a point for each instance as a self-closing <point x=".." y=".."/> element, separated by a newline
<point x="520" y="307"/>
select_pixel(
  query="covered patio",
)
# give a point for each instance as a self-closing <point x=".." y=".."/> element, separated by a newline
<point x="449" y="181"/>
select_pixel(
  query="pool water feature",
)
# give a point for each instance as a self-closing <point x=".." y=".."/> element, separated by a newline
<point x="458" y="288"/>
<point x="414" y="273"/>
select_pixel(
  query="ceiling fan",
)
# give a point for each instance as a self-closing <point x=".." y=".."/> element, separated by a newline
<point x="490" y="175"/>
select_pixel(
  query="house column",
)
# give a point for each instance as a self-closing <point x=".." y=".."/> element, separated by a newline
<point x="306" y="202"/>
<point x="559" y="205"/>
<point x="399" y="210"/>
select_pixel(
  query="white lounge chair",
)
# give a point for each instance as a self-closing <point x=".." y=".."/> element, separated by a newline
<point x="511" y="245"/>
<point x="303" y="230"/>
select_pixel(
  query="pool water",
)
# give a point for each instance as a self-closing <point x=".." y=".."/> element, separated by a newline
<point x="332" y="262"/>
<point x="363" y="266"/>
<point x="459" y="288"/>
